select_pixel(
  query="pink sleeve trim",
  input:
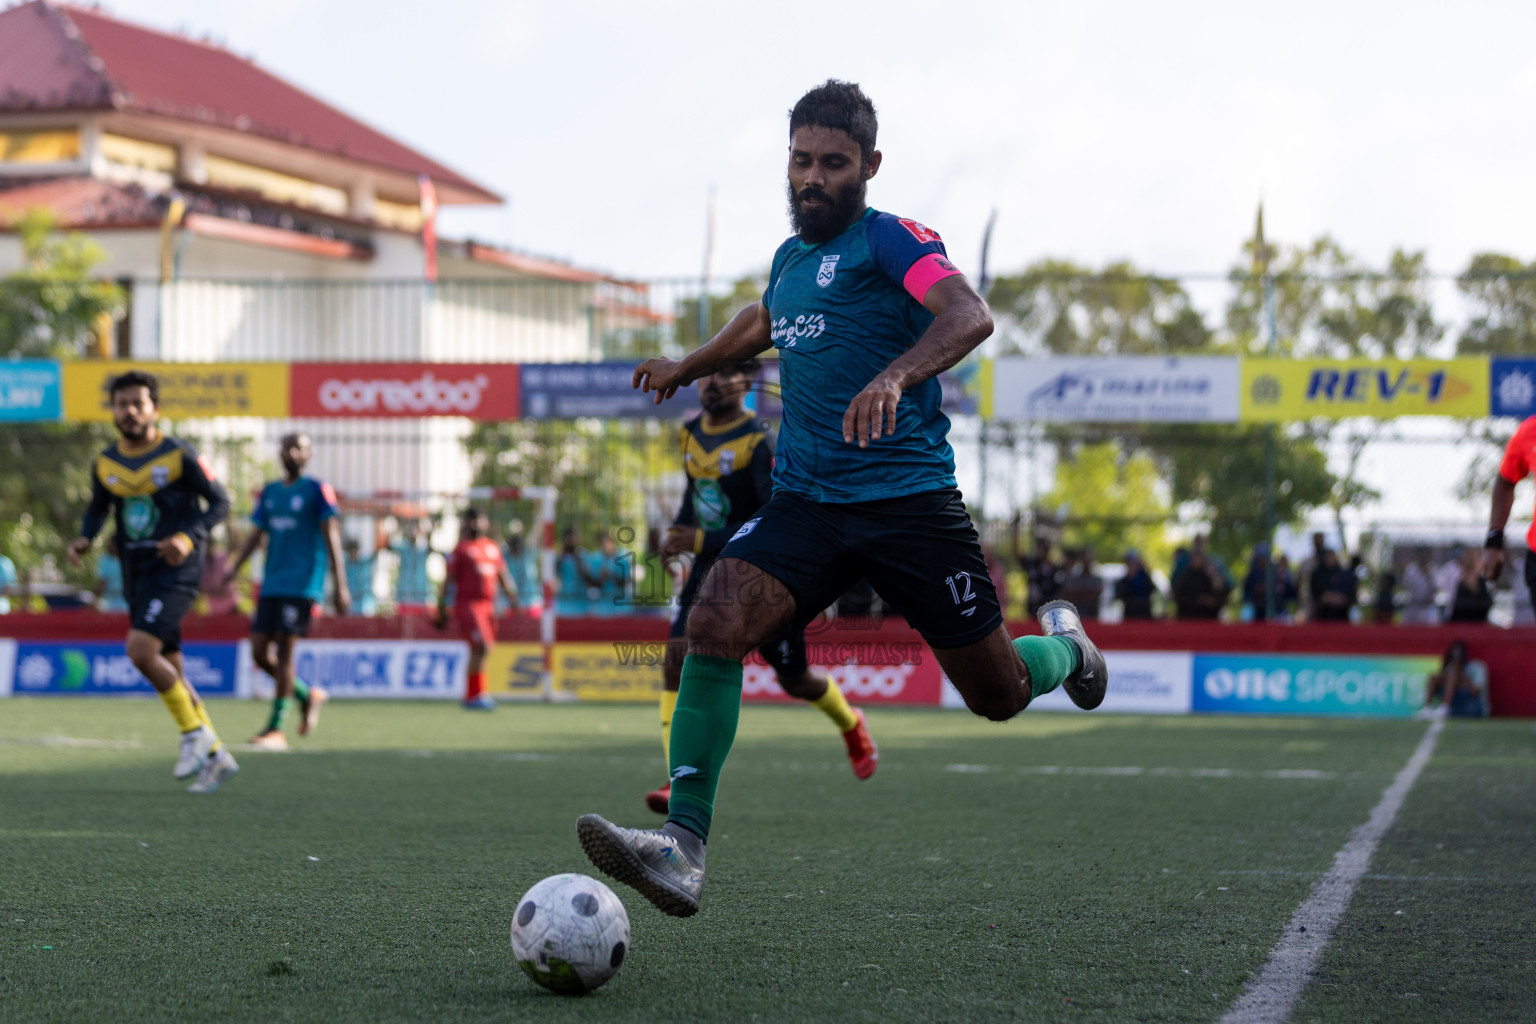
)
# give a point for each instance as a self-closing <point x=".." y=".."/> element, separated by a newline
<point x="925" y="273"/>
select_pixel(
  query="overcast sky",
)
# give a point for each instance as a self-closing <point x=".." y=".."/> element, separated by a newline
<point x="1097" y="130"/>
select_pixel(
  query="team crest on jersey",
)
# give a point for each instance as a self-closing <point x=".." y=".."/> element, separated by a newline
<point x="161" y="475"/>
<point x="140" y="516"/>
<point x="827" y="270"/>
<point x="297" y="501"/>
<point x="727" y="461"/>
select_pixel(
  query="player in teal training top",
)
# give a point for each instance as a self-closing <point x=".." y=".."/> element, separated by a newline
<point x="866" y="311"/>
<point x="298" y="517"/>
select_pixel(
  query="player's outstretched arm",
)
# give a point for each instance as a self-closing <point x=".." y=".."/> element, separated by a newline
<point x="1493" y="550"/>
<point x="745" y="336"/>
<point x="341" y="595"/>
<point x="961" y="322"/>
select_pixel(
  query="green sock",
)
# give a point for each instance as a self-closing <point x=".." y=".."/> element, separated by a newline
<point x="301" y="690"/>
<point x="703" y="729"/>
<point x="1050" y="659"/>
<point x="279" y="712"/>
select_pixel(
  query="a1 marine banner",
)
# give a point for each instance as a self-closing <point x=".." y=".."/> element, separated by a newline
<point x="187" y="390"/>
<point x="1115" y="389"/>
<point x="1283" y="390"/>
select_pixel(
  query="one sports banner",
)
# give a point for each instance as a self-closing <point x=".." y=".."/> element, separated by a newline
<point x="1282" y="390"/>
<point x="97" y="668"/>
<point x="30" y="390"/>
<point x="1512" y="387"/>
<point x="1115" y="389"/>
<point x="479" y="391"/>
<point x="1312" y="684"/>
<point x="187" y="390"/>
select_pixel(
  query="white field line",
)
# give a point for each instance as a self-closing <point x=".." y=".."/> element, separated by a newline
<point x="1270" y="997"/>
<point x="1136" y="770"/>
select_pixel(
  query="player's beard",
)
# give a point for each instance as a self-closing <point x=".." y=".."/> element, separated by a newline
<point x="829" y="221"/>
<point x="133" y="433"/>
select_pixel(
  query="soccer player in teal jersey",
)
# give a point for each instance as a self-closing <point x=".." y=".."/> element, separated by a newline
<point x="866" y="311"/>
<point x="298" y="517"/>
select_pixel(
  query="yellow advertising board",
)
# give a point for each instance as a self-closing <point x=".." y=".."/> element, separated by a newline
<point x="589" y="671"/>
<point x="187" y="390"/>
<point x="1281" y="390"/>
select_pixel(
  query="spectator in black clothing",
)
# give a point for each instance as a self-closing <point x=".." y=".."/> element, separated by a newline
<point x="1334" y="589"/>
<point x="1256" y="586"/>
<point x="1287" y="592"/>
<point x="1043" y="573"/>
<point x="1200" y="591"/>
<point x="1384" y="607"/>
<point x="1134" y="590"/>
<point x="1082" y="585"/>
<point x="1472" y="600"/>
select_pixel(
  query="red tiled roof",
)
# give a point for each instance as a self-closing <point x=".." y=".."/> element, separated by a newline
<point x="63" y="58"/>
<point x="81" y="202"/>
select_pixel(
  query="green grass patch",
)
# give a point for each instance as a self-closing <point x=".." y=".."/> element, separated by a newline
<point x="1054" y="868"/>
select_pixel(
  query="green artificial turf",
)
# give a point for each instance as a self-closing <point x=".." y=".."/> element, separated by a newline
<point x="1054" y="868"/>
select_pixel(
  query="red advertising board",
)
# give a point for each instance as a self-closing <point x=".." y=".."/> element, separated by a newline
<point x="480" y="391"/>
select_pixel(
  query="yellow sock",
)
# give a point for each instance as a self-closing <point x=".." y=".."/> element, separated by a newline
<point x="668" y="705"/>
<point x="202" y="716"/>
<point x="836" y="707"/>
<point x="178" y="701"/>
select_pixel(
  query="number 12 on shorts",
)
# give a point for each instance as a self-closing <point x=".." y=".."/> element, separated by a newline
<point x="960" y="589"/>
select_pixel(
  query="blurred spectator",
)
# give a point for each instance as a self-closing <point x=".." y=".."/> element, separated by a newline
<point x="1447" y="579"/>
<point x="361" y="572"/>
<point x="1313" y="562"/>
<point x="1418" y="596"/>
<point x="1460" y="687"/>
<point x="1471" y="601"/>
<point x="219" y="595"/>
<point x="1287" y="591"/>
<point x="1136" y="588"/>
<point x="1335" y="589"/>
<point x="608" y="579"/>
<point x="109" y="580"/>
<point x="8" y="579"/>
<point x="1256" y="585"/>
<point x="1200" y="590"/>
<point x="1043" y="573"/>
<point x="1202" y="546"/>
<point x="1384" y="606"/>
<point x="575" y="590"/>
<point x="1082" y="586"/>
<point x="412" y="548"/>
<point x="523" y="564"/>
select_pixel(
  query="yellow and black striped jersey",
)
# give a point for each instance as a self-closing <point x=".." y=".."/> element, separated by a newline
<point x="730" y="476"/>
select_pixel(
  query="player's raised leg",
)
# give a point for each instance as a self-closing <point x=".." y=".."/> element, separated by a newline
<point x="739" y="606"/>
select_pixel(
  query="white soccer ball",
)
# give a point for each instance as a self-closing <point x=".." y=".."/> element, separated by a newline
<point x="570" y="933"/>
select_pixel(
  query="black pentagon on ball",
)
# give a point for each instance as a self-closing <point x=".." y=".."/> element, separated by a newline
<point x="525" y="913"/>
<point x="617" y="957"/>
<point x="584" y="903"/>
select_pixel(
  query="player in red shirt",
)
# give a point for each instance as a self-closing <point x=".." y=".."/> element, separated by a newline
<point x="1519" y="462"/>
<point x="474" y="570"/>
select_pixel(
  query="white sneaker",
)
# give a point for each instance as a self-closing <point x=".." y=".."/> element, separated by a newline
<point x="194" y="751"/>
<point x="219" y="769"/>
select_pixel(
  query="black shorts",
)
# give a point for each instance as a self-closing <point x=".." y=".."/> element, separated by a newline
<point x="156" y="605"/>
<point x="1530" y="574"/>
<point x="919" y="551"/>
<point x="279" y="616"/>
<point x="784" y="650"/>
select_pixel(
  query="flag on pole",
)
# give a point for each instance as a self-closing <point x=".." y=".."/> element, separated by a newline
<point x="428" y="225"/>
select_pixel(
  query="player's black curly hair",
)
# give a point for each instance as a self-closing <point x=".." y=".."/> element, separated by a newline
<point x="841" y="106"/>
<point x="135" y="379"/>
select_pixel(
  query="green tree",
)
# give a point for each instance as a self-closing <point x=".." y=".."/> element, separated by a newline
<point x="49" y="309"/>
<point x="1500" y="292"/>
<point x="1110" y="499"/>
<point x="1057" y="307"/>
<point x="744" y="291"/>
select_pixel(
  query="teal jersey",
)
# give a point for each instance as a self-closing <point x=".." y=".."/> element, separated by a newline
<point x="412" y="585"/>
<point x="293" y="517"/>
<point x="841" y="312"/>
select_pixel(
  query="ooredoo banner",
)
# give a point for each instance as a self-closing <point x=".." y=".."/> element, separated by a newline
<point x="479" y="391"/>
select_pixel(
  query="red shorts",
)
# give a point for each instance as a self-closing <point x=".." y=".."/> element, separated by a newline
<point x="478" y="619"/>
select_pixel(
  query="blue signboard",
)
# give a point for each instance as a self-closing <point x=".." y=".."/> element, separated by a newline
<point x="96" y="669"/>
<point x="1311" y="684"/>
<point x="562" y="391"/>
<point x="1512" y="387"/>
<point x="30" y="391"/>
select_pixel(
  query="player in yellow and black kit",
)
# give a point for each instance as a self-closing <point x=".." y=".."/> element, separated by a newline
<point x="154" y="486"/>
<point x="728" y="455"/>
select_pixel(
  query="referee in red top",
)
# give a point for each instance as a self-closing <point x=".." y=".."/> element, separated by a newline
<point x="1519" y="462"/>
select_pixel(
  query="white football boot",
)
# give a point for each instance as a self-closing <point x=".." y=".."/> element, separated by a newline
<point x="220" y="768"/>
<point x="194" y="751"/>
